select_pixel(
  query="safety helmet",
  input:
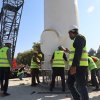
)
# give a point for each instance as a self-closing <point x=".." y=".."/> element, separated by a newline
<point x="73" y="28"/>
<point x="8" y="41"/>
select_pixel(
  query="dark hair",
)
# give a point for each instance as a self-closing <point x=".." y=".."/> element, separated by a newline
<point x="60" y="48"/>
<point x="75" y="31"/>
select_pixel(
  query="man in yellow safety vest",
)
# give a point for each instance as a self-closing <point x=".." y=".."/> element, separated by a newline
<point x="35" y="62"/>
<point x="93" y="69"/>
<point x="58" y="65"/>
<point x="5" y="64"/>
<point x="78" y="62"/>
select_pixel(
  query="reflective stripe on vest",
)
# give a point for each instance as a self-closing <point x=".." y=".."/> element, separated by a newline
<point x="84" y="57"/>
<point x="34" y="64"/>
<point x="58" y="60"/>
<point x="3" y="57"/>
<point x="91" y="65"/>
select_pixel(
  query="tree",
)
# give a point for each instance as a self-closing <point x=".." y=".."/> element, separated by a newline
<point x="25" y="57"/>
<point x="98" y="52"/>
<point x="92" y="52"/>
<point x="36" y="47"/>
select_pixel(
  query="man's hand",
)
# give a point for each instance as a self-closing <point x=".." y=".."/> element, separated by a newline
<point x="72" y="70"/>
<point x="66" y="50"/>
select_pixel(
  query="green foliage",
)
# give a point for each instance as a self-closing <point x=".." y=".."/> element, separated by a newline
<point x="25" y="57"/>
<point x="98" y="52"/>
<point x="36" y="47"/>
<point x="92" y="52"/>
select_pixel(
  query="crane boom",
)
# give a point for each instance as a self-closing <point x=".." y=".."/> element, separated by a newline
<point x="10" y="17"/>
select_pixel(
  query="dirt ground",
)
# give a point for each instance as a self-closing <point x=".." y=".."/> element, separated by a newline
<point x="21" y="90"/>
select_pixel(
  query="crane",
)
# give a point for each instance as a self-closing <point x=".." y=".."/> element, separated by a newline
<point x="10" y="17"/>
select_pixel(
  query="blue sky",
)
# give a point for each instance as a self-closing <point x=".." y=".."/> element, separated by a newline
<point x="32" y="23"/>
<point x="89" y="21"/>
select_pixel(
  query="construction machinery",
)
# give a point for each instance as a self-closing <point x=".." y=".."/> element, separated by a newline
<point x="10" y="17"/>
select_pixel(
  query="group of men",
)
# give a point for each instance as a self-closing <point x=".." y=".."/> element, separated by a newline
<point x="78" y="61"/>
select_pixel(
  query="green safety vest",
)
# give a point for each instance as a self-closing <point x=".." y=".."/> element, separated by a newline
<point x="34" y="64"/>
<point x="98" y="63"/>
<point x="3" y="57"/>
<point x="84" y="57"/>
<point x="58" y="60"/>
<point x="92" y="64"/>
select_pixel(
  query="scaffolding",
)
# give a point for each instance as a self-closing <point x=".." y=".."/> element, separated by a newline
<point x="10" y="17"/>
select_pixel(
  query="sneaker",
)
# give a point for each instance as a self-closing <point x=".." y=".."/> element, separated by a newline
<point x="6" y="94"/>
<point x="97" y="89"/>
<point x="39" y="82"/>
<point x="33" y="92"/>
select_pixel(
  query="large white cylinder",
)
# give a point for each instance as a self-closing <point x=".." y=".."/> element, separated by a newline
<point x="59" y="15"/>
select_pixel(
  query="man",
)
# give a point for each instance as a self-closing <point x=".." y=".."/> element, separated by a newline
<point x="58" y="66"/>
<point x="35" y="62"/>
<point x="97" y="62"/>
<point x="5" y="64"/>
<point x="78" y="61"/>
<point x="93" y="68"/>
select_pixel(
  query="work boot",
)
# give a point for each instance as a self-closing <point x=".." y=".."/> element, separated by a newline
<point x="6" y="94"/>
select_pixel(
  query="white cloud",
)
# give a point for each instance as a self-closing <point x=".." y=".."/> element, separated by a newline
<point x="90" y="9"/>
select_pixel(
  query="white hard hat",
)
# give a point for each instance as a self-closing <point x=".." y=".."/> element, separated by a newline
<point x="7" y="41"/>
<point x="72" y="27"/>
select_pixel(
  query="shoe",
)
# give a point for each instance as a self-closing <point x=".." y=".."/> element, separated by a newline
<point x="39" y="82"/>
<point x="97" y="89"/>
<point x="33" y="92"/>
<point x="35" y="84"/>
<point x="6" y="94"/>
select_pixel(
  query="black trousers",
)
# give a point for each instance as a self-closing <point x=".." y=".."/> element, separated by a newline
<point x="58" y="71"/>
<point x="4" y="78"/>
<point x="94" y="78"/>
<point x="35" y="76"/>
<point x="77" y="84"/>
<point x="98" y="74"/>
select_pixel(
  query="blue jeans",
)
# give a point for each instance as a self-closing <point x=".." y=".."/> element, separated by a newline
<point x="77" y="84"/>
